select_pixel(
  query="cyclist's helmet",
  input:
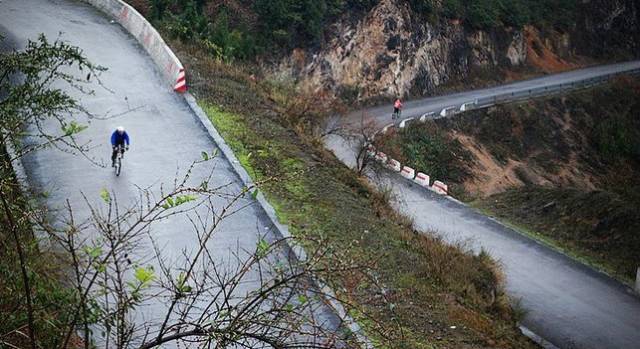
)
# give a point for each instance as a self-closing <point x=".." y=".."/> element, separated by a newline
<point x="120" y="129"/>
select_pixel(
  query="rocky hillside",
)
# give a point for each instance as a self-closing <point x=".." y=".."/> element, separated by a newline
<point x="365" y="50"/>
<point x="394" y="50"/>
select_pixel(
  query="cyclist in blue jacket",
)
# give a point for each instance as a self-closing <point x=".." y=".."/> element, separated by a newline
<point x="119" y="138"/>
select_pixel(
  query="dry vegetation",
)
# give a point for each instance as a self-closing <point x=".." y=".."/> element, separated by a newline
<point x="564" y="167"/>
<point x="415" y="287"/>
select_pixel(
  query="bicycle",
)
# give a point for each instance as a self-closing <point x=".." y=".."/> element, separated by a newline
<point x="117" y="164"/>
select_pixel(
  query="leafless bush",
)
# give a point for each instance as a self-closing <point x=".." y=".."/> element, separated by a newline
<point x="263" y="298"/>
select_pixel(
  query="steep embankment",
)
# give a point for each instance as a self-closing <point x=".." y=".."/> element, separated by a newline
<point x="565" y="167"/>
<point x="396" y="50"/>
<point x="412" y="290"/>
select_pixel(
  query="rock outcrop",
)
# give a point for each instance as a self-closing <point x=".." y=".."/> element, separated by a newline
<point x="392" y="51"/>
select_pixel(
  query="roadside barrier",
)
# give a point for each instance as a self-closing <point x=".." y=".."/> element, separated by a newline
<point x="386" y="128"/>
<point x="426" y="116"/>
<point x="440" y="188"/>
<point x="181" y="85"/>
<point x="408" y="172"/>
<point x="136" y="25"/>
<point x="422" y="179"/>
<point x="404" y="122"/>
<point x="448" y="111"/>
<point x="394" y="165"/>
<point x="381" y="157"/>
<point x="467" y="106"/>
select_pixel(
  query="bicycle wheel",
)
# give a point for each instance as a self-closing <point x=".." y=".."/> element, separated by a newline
<point x="118" y="166"/>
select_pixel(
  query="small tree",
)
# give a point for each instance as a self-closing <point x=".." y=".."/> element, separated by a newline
<point x="202" y="295"/>
<point x="364" y="138"/>
<point x="28" y="101"/>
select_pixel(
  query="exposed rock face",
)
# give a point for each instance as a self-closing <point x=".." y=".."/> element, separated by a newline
<point x="391" y="53"/>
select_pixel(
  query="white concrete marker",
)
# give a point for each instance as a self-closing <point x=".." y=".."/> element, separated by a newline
<point x="422" y="179"/>
<point x="444" y="112"/>
<point x="381" y="157"/>
<point x="440" y="187"/>
<point x="394" y="165"/>
<point x="425" y="116"/>
<point x="465" y="106"/>
<point x="408" y="172"/>
<point x="404" y="122"/>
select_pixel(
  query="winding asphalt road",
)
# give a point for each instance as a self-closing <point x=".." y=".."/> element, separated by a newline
<point x="563" y="81"/>
<point x="166" y="136"/>
<point x="568" y="304"/>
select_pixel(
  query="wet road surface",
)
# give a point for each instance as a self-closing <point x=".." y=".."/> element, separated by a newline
<point x="166" y="137"/>
<point x="418" y="107"/>
<point x="568" y="304"/>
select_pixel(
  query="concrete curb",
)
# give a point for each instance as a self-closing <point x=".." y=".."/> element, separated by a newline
<point x="162" y="55"/>
<point x="539" y="340"/>
<point x="300" y="254"/>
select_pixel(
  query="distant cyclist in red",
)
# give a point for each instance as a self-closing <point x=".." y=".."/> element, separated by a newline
<point x="397" y="108"/>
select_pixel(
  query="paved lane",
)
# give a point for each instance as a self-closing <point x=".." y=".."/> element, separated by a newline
<point x="567" y="303"/>
<point x="166" y="136"/>
<point x="418" y="107"/>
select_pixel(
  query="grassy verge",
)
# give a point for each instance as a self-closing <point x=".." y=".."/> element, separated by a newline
<point x="414" y="291"/>
<point x="430" y="149"/>
<point x="49" y="297"/>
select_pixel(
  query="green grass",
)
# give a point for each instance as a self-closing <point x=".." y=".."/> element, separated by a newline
<point x="229" y="124"/>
